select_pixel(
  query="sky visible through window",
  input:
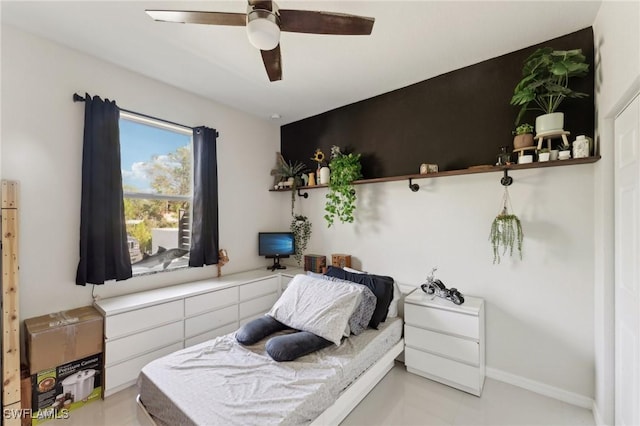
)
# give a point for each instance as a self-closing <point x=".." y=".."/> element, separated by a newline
<point x="142" y="145"/>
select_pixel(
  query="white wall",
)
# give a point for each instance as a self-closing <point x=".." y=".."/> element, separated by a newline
<point x="42" y="148"/>
<point x="539" y="311"/>
<point x="617" y="40"/>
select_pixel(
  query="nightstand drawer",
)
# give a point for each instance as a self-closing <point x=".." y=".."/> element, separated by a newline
<point x="442" y="320"/>
<point x="454" y="373"/>
<point x="456" y="348"/>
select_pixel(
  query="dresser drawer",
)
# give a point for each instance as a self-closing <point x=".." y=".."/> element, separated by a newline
<point x="127" y="372"/>
<point x="442" y="320"/>
<point x="141" y="319"/>
<point x="457" y="348"/>
<point x="259" y="288"/>
<point x="230" y="328"/>
<point x="210" y="320"/>
<point x="284" y="282"/>
<point x="451" y="372"/>
<point x="257" y="306"/>
<point x="130" y="346"/>
<point x="210" y="301"/>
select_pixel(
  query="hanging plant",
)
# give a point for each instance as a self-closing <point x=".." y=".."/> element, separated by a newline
<point x="341" y="199"/>
<point x="301" y="229"/>
<point x="506" y="231"/>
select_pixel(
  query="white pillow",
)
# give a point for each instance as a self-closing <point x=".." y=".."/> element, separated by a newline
<point x="393" y="306"/>
<point x="318" y="306"/>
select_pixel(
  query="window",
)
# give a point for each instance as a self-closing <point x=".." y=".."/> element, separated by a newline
<point x="157" y="165"/>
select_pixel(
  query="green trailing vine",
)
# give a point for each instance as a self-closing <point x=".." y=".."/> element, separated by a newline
<point x="506" y="232"/>
<point x="341" y="199"/>
<point x="301" y="229"/>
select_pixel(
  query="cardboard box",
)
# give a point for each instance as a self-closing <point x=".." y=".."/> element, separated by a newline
<point x="62" y="337"/>
<point x="25" y="395"/>
<point x="55" y="392"/>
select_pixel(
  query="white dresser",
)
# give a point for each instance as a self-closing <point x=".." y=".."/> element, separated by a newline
<point x="141" y="327"/>
<point x="444" y="341"/>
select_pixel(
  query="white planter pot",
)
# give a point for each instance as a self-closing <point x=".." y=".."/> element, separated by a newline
<point x="543" y="156"/>
<point x="550" y="122"/>
<point x="564" y="155"/>
<point x="525" y="159"/>
<point x="554" y="155"/>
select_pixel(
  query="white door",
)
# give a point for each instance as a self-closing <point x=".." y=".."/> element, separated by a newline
<point x="627" y="258"/>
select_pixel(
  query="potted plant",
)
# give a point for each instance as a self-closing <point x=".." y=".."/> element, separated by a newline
<point x="301" y="229"/>
<point x="506" y="232"/>
<point x="545" y="83"/>
<point x="564" y="151"/>
<point x="341" y="198"/>
<point x="289" y="175"/>
<point x="523" y="136"/>
<point x="544" y="154"/>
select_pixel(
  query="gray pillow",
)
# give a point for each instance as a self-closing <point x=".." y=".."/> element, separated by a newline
<point x="288" y="347"/>
<point x="361" y="316"/>
<point x="257" y="329"/>
<point x="318" y="306"/>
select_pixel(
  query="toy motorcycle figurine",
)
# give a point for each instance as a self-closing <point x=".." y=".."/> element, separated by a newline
<point x="435" y="286"/>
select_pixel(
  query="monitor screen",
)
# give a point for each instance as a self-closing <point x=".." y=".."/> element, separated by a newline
<point x="276" y="244"/>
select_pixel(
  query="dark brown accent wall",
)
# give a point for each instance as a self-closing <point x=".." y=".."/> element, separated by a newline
<point x="456" y="120"/>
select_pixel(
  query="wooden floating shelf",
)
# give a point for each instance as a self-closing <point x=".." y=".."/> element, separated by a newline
<point x="469" y="171"/>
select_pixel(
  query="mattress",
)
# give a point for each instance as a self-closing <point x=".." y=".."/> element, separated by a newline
<point x="223" y="382"/>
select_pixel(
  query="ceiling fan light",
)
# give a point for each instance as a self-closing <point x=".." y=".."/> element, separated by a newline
<point x="263" y="29"/>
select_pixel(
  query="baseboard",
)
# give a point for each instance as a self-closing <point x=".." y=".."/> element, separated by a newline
<point x="541" y="388"/>
<point x="596" y="415"/>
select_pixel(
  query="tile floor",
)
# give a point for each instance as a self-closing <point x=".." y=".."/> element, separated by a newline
<point x="399" y="399"/>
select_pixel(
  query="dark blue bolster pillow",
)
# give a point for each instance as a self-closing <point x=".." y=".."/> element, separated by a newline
<point x="288" y="347"/>
<point x="257" y="329"/>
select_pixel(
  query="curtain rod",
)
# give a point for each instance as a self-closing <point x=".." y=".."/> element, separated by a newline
<point x="78" y="98"/>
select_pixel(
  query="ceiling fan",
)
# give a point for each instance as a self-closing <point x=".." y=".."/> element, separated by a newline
<point x="264" y="21"/>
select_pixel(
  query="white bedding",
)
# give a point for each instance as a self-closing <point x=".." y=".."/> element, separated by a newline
<point x="223" y="383"/>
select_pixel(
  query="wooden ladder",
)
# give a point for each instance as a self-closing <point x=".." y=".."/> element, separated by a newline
<point x="10" y="305"/>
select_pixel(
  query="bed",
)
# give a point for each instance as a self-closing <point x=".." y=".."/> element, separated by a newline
<point x="223" y="382"/>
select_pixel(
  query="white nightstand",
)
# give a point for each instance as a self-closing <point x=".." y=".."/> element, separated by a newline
<point x="444" y="341"/>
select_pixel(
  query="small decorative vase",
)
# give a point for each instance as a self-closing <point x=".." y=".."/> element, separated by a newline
<point x="554" y="155"/>
<point x="312" y="179"/>
<point x="581" y="147"/>
<point x="325" y="175"/>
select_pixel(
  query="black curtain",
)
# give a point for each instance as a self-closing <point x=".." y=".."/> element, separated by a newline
<point x="204" y="231"/>
<point x="104" y="254"/>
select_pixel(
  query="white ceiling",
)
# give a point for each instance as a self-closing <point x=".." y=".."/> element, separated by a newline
<point x="411" y="41"/>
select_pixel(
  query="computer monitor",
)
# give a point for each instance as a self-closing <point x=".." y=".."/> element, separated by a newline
<point x="276" y="245"/>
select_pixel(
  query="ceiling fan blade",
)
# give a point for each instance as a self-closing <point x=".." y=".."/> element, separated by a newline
<point x="272" y="63"/>
<point x="261" y="4"/>
<point x="311" y="22"/>
<point x="208" y="18"/>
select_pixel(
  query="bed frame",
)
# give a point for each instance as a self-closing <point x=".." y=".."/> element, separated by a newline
<point x="345" y="403"/>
